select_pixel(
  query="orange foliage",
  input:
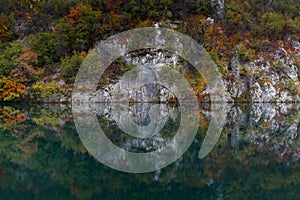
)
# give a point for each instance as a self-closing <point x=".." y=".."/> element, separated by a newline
<point x="28" y="16"/>
<point x="83" y="54"/>
<point x="28" y="57"/>
<point x="14" y="121"/>
<point x="26" y="62"/>
<point x="197" y="82"/>
<point x="10" y="90"/>
<point x="216" y="40"/>
<point x="74" y="15"/>
<point x="9" y="117"/>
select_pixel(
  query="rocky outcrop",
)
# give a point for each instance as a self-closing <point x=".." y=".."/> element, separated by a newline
<point x="218" y="9"/>
<point x="271" y="79"/>
<point x="144" y="83"/>
<point x="262" y="80"/>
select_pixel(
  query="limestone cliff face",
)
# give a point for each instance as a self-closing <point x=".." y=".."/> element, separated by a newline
<point x="271" y="79"/>
<point x="275" y="79"/>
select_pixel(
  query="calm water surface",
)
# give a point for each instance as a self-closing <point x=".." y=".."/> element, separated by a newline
<point x="256" y="156"/>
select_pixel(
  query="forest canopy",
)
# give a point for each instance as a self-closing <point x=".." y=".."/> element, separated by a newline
<point x="40" y="38"/>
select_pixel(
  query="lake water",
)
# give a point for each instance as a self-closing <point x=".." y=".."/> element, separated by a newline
<point x="42" y="156"/>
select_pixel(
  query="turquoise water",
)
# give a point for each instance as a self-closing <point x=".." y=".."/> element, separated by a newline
<point x="256" y="156"/>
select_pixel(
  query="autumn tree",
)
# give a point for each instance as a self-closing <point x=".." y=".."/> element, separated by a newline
<point x="80" y="29"/>
<point x="10" y="90"/>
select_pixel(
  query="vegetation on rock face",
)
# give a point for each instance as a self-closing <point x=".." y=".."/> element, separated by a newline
<point x="42" y="90"/>
<point x="70" y="65"/>
<point x="42" y="37"/>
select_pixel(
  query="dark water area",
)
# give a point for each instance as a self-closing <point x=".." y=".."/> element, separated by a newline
<point x="256" y="156"/>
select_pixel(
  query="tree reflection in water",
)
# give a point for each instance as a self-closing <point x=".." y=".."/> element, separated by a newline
<point x="257" y="155"/>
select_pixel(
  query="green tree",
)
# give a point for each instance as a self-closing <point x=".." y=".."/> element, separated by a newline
<point x="47" y="47"/>
<point x="273" y="25"/>
<point x="143" y="9"/>
<point x="80" y="29"/>
<point x="70" y="65"/>
<point x="8" y="57"/>
<point x="6" y="24"/>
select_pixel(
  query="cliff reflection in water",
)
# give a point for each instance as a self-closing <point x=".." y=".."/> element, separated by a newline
<point x="272" y="128"/>
<point x="256" y="155"/>
<point x="141" y="127"/>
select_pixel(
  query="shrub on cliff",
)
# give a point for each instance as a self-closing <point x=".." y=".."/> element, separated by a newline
<point x="41" y="90"/>
<point x="47" y="48"/>
<point x="69" y="66"/>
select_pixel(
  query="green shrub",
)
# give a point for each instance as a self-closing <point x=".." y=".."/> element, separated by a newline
<point x="41" y="90"/>
<point x="80" y="29"/>
<point x="8" y="57"/>
<point x="293" y="87"/>
<point x="6" y="24"/>
<point x="69" y="67"/>
<point x="274" y="25"/>
<point x="58" y="7"/>
<point x="246" y="54"/>
<point x="47" y="47"/>
<point x="143" y="9"/>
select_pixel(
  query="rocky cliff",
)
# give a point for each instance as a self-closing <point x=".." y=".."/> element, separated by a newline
<point x="271" y="77"/>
